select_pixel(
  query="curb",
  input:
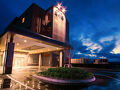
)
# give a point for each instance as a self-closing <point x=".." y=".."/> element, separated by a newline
<point x="61" y="82"/>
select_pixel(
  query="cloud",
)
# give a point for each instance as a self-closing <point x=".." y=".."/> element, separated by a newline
<point x="92" y="46"/>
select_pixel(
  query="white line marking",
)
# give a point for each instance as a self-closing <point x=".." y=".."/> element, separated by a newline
<point x="20" y="83"/>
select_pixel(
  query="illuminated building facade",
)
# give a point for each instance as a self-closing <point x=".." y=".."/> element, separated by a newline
<point x="100" y="61"/>
<point x="80" y="61"/>
<point x="37" y="38"/>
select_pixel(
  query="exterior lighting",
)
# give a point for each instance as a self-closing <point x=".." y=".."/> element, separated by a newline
<point x="18" y="44"/>
<point x="25" y="41"/>
<point x="59" y="5"/>
<point x="63" y="10"/>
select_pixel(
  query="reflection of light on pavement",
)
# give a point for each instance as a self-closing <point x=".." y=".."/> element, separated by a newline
<point x="38" y="86"/>
<point x="27" y="87"/>
<point x="108" y="77"/>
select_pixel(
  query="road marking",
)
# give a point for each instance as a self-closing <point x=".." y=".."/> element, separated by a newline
<point x="20" y="83"/>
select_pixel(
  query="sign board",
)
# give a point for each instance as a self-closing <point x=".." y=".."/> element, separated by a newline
<point x="59" y="25"/>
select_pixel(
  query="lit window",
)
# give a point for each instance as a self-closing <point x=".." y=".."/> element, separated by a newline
<point x="23" y="20"/>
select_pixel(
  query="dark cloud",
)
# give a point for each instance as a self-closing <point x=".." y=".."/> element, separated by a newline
<point x="108" y="46"/>
<point x="79" y="47"/>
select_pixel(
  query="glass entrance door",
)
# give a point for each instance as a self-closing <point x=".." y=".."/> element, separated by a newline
<point x="19" y="61"/>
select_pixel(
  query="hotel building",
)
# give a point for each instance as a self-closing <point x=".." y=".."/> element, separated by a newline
<point x="37" y="38"/>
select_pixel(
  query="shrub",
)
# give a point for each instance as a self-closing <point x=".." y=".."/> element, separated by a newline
<point x="66" y="73"/>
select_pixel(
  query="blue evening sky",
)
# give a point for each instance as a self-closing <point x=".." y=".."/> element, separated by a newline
<point x="94" y="24"/>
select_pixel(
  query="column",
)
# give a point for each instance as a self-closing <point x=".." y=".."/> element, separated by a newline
<point x="60" y="62"/>
<point x="9" y="56"/>
<point x="40" y="61"/>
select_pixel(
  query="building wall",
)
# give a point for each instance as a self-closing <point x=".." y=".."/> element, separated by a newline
<point x="45" y="23"/>
<point x="67" y="32"/>
<point x="80" y="61"/>
<point x="27" y="16"/>
<point x="37" y="20"/>
<point x="100" y="61"/>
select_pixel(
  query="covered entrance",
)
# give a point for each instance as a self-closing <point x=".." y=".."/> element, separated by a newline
<point x="32" y="52"/>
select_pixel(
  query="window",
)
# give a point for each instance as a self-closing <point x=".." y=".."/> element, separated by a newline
<point x="23" y="20"/>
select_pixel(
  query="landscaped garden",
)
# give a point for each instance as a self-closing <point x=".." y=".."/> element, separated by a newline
<point x="66" y="73"/>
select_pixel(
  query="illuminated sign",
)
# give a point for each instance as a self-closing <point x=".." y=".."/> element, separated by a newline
<point x="59" y="23"/>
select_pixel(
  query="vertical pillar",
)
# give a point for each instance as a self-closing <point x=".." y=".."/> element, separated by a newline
<point x="60" y="62"/>
<point x="9" y="56"/>
<point x="40" y="61"/>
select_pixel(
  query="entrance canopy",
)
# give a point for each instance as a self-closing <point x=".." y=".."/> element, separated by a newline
<point x="33" y="46"/>
<point x="34" y="40"/>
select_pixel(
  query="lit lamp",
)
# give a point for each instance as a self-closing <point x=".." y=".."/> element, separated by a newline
<point x="25" y="41"/>
<point x="59" y="5"/>
<point x="63" y="10"/>
<point x="18" y="44"/>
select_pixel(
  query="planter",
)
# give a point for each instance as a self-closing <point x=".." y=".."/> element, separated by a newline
<point x="63" y="82"/>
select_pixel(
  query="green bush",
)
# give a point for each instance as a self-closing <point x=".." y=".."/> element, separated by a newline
<point x="66" y="73"/>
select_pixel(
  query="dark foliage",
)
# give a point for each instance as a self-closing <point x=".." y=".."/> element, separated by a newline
<point x="66" y="73"/>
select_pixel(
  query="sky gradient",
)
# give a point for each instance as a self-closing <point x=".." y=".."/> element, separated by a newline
<point x="94" y="24"/>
